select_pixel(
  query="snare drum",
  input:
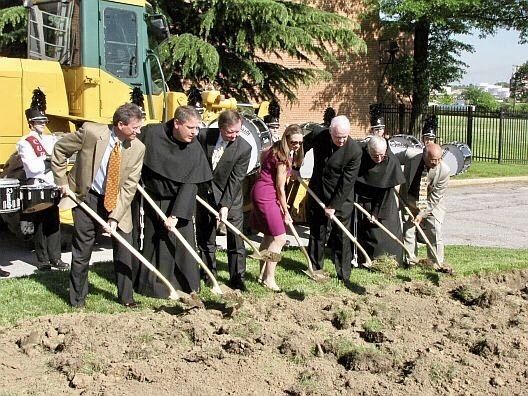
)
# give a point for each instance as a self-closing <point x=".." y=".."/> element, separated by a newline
<point x="457" y="156"/>
<point x="9" y="195"/>
<point x="39" y="197"/>
<point x="399" y="143"/>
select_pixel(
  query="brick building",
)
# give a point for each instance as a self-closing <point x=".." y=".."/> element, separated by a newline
<point x="352" y="87"/>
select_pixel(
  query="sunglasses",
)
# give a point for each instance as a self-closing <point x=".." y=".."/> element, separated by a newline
<point x="296" y="141"/>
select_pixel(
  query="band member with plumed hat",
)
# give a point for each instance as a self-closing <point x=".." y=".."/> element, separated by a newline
<point x="35" y="151"/>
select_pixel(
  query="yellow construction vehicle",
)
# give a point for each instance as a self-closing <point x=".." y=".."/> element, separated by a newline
<point x="88" y="56"/>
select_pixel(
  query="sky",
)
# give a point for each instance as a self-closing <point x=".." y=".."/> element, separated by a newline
<point x="494" y="57"/>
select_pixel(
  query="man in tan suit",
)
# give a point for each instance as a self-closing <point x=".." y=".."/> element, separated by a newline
<point x="100" y="150"/>
<point x="424" y="168"/>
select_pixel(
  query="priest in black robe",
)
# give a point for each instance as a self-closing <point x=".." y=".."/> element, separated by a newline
<point x="173" y="167"/>
<point x="379" y="174"/>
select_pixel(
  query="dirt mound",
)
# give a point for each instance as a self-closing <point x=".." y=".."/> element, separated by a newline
<point x="466" y="336"/>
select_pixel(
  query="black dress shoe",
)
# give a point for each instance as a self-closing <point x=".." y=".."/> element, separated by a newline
<point x="4" y="274"/>
<point x="132" y="304"/>
<point x="44" y="266"/>
<point x="238" y="284"/>
<point x="59" y="264"/>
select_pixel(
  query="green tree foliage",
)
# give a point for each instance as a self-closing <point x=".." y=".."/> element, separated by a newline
<point x="236" y="45"/>
<point x="433" y="24"/>
<point x="519" y="83"/>
<point x="481" y="99"/>
<point x="230" y="43"/>
<point x="13" y="30"/>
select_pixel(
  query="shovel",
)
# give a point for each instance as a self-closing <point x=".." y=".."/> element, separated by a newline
<point x="420" y="230"/>
<point x="174" y="294"/>
<point x="339" y="224"/>
<point x="317" y="276"/>
<point x="383" y="228"/>
<point x="256" y="254"/>
<point x="216" y="288"/>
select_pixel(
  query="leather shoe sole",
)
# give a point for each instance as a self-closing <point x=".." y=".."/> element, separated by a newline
<point x="133" y="304"/>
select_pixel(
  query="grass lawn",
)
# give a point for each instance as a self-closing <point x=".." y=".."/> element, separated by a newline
<point x="480" y="169"/>
<point x="46" y="293"/>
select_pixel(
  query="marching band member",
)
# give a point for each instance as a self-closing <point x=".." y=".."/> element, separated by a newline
<point x="35" y="151"/>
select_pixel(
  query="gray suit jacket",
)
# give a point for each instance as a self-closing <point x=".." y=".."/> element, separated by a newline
<point x="90" y="143"/>
<point x="438" y="180"/>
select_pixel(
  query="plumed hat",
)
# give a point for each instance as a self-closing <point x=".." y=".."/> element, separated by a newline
<point x="376" y="120"/>
<point x="36" y="111"/>
<point x="430" y="127"/>
<point x="329" y="113"/>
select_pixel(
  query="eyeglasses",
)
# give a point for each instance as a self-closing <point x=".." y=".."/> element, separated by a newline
<point x="38" y="122"/>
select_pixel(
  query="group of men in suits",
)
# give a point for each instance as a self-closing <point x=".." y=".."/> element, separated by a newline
<point x="172" y="162"/>
<point x="345" y="169"/>
<point x="176" y="161"/>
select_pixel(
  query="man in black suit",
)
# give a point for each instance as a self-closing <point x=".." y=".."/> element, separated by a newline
<point x="229" y="155"/>
<point x="336" y="164"/>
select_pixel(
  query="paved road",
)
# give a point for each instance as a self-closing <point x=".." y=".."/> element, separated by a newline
<point x="478" y="215"/>
<point x="488" y="215"/>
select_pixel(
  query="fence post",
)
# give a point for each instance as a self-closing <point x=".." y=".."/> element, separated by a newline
<point x="501" y="127"/>
<point x="469" y="131"/>
<point x="401" y="118"/>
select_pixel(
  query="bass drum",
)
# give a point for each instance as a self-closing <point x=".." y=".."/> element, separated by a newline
<point x="308" y="163"/>
<point x="398" y="143"/>
<point x="457" y="156"/>
<point x="256" y="133"/>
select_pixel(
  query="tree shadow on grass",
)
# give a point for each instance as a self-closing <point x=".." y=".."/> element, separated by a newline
<point x="433" y="277"/>
<point x="57" y="282"/>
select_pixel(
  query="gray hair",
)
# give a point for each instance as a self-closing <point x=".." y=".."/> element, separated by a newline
<point x="376" y="143"/>
<point x="126" y="112"/>
<point x="340" y="122"/>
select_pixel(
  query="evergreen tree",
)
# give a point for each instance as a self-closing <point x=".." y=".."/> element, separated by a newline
<point x="238" y="44"/>
<point x="13" y="29"/>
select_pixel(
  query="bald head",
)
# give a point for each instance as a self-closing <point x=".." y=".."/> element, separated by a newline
<point x="433" y="155"/>
<point x="339" y="130"/>
<point x="377" y="148"/>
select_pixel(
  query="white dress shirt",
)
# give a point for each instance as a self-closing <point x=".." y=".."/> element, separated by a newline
<point x="99" y="183"/>
<point x="218" y="151"/>
<point x="35" y="166"/>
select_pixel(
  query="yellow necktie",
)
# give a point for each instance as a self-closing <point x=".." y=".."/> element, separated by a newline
<point x="422" y="195"/>
<point x="112" y="178"/>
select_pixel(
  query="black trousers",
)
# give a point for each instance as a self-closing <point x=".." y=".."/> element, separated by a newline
<point x="206" y="238"/>
<point x="85" y="231"/>
<point x="47" y="235"/>
<point x="321" y="230"/>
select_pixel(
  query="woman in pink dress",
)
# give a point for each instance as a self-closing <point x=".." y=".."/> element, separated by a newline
<point x="270" y="209"/>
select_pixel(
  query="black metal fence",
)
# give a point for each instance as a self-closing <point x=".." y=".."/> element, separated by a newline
<point x="496" y="136"/>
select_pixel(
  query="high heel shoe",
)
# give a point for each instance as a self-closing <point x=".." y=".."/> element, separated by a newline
<point x="274" y="288"/>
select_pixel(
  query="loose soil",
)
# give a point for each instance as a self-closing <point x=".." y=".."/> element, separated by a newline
<point x="464" y="337"/>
